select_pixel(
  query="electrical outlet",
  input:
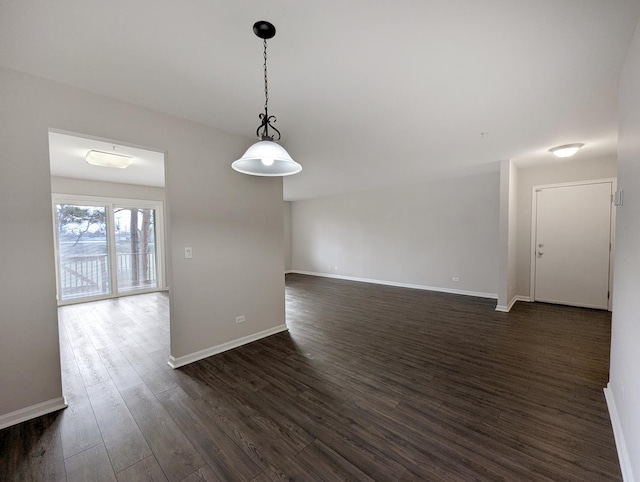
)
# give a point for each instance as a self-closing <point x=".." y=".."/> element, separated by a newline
<point x="240" y="319"/>
<point x="455" y="278"/>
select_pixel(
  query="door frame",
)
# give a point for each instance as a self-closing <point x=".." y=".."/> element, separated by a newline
<point x="534" y="223"/>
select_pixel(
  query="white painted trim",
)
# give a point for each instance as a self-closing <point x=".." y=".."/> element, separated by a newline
<point x="507" y="308"/>
<point x="288" y="271"/>
<point x="577" y="305"/>
<point x="612" y="251"/>
<point x="214" y="350"/>
<point x="400" y="285"/>
<point x="603" y="180"/>
<point x="621" y="446"/>
<point x="27" y="413"/>
<point x="532" y="242"/>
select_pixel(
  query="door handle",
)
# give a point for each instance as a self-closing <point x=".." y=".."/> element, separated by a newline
<point x="540" y="253"/>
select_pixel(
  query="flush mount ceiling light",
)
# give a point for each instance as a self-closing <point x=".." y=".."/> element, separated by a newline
<point x="266" y="157"/>
<point x="108" y="159"/>
<point x="567" y="150"/>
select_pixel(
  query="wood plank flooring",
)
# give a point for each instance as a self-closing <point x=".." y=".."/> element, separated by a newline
<point x="369" y="383"/>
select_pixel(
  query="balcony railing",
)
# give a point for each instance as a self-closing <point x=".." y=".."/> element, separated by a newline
<point x="85" y="276"/>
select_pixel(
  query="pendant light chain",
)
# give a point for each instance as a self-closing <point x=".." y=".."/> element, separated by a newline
<point x="266" y="82"/>
<point x="263" y="129"/>
<point x="265" y="31"/>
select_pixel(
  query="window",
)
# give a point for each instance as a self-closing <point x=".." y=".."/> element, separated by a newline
<point x="106" y="247"/>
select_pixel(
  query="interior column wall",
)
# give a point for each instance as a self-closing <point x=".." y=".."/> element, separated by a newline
<point x="30" y="370"/>
<point x="508" y="232"/>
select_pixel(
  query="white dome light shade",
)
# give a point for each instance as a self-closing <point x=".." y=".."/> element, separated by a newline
<point x="567" y="150"/>
<point x="108" y="159"/>
<point x="266" y="158"/>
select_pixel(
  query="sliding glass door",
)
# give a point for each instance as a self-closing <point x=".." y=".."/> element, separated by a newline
<point x="106" y="247"/>
<point x="83" y="264"/>
<point x="136" y="260"/>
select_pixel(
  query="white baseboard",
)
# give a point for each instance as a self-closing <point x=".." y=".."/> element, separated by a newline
<point x="214" y="350"/>
<point x="400" y="285"/>
<point x="507" y="308"/>
<point x="27" y="413"/>
<point x="621" y="446"/>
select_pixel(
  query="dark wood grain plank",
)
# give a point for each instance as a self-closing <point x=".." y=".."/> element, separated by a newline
<point x="78" y="426"/>
<point x="32" y="451"/>
<point x="267" y="449"/>
<point x="92" y="465"/>
<point x="122" y="437"/>
<point x="223" y="456"/>
<point x="175" y="454"/>
<point x="262" y="477"/>
<point x="91" y="368"/>
<point x="324" y="463"/>
<point x="157" y="378"/>
<point x="205" y="474"/>
<point x="147" y="469"/>
<point x="120" y="370"/>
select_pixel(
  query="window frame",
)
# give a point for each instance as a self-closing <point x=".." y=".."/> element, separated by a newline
<point x="111" y="203"/>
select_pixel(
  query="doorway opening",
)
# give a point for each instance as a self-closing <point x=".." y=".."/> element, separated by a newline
<point x="108" y="222"/>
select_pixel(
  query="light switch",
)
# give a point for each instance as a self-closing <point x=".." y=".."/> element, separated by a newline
<point x="188" y="253"/>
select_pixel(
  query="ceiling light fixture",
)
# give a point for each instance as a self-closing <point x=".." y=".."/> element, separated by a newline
<point x="108" y="159"/>
<point x="567" y="150"/>
<point x="266" y="157"/>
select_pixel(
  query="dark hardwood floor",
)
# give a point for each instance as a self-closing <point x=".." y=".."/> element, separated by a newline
<point x="370" y="383"/>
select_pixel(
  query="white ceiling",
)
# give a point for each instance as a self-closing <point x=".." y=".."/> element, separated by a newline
<point x="367" y="93"/>
<point x="67" y="155"/>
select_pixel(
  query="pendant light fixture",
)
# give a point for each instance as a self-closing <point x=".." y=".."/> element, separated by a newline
<point x="266" y="157"/>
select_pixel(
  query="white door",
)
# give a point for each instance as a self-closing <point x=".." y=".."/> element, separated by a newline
<point x="572" y="244"/>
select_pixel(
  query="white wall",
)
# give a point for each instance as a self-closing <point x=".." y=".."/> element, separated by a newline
<point x="508" y="236"/>
<point x="233" y="222"/>
<point x="30" y="368"/>
<point x="559" y="172"/>
<point x="287" y="236"/>
<point x="65" y="185"/>
<point x="422" y="234"/>
<point x="512" y="246"/>
<point x="624" y="385"/>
